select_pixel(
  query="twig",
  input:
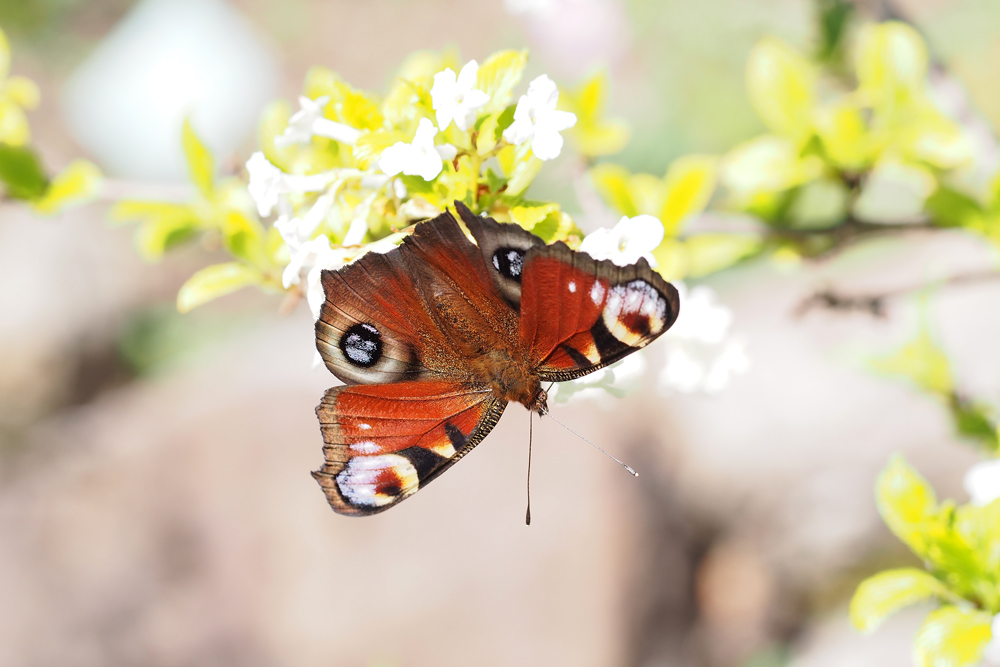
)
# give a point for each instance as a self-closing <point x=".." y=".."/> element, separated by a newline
<point x="875" y="304"/>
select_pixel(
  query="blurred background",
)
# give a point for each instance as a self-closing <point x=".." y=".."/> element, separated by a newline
<point x="156" y="506"/>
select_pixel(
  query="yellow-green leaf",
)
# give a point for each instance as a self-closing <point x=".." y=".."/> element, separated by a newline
<point x="908" y="505"/>
<point x="215" y="281"/>
<point x="498" y="75"/>
<point x="23" y="91"/>
<point x="531" y="214"/>
<point x="708" y="253"/>
<point x="201" y="164"/>
<point x="952" y="637"/>
<point x="842" y="129"/>
<point x="243" y="237"/>
<point x="523" y="174"/>
<point x="371" y="144"/>
<point x="767" y="164"/>
<point x="882" y="595"/>
<point x="593" y="135"/>
<point x="4" y="55"/>
<point x="891" y="64"/>
<point x="80" y="181"/>
<point x="781" y="83"/>
<point x="612" y="183"/>
<point x="14" y="129"/>
<point x="922" y="361"/>
<point x="690" y="181"/>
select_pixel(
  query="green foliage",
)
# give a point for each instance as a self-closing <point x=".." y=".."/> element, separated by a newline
<point x="593" y="135"/>
<point x="22" y="173"/>
<point x="887" y="592"/>
<point x="961" y="549"/>
<point x="215" y="281"/>
<point x="922" y="362"/>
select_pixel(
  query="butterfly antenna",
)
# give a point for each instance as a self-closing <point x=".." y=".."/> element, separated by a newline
<point x="527" y="514"/>
<point x="621" y="463"/>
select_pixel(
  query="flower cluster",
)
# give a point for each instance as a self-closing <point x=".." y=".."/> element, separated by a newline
<point x="348" y="173"/>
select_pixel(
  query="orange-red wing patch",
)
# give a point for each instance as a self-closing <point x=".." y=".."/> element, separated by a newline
<point x="579" y="314"/>
<point x="385" y="442"/>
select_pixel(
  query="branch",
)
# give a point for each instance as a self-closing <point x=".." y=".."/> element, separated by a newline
<point x="875" y="304"/>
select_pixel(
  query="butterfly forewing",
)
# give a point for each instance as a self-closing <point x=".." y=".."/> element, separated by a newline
<point x="387" y="441"/>
<point x="605" y="311"/>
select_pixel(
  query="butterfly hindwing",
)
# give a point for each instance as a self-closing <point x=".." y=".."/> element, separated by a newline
<point x="385" y="442"/>
<point x="605" y="311"/>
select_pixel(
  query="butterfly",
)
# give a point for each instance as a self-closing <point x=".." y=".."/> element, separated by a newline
<point x="434" y="338"/>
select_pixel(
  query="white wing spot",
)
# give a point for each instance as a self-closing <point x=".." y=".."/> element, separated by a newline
<point x="364" y="427"/>
<point x="597" y="293"/>
<point x="572" y="287"/>
<point x="366" y="447"/>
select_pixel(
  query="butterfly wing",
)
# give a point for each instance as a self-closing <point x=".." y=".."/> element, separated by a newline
<point x="401" y="328"/>
<point x="579" y="314"/>
<point x="385" y="442"/>
<point x="417" y="312"/>
<point x="503" y="247"/>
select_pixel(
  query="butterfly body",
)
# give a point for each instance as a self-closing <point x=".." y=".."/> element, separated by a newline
<point x="437" y="336"/>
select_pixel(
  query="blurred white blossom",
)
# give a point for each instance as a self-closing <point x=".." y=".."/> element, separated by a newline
<point x="268" y="183"/>
<point x="536" y="119"/>
<point x="982" y="482"/>
<point x="991" y="654"/>
<point x="309" y="121"/>
<point x="701" y="356"/>
<point x="617" y="380"/>
<point x="627" y="241"/>
<point x="457" y="99"/>
<point x="517" y="7"/>
<point x="420" y="158"/>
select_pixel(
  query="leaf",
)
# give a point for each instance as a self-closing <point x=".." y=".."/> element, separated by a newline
<point x="14" y="128"/>
<point x="951" y="637"/>
<point x="21" y="172"/>
<point x="781" y="83"/>
<point x="882" y="595"/>
<point x="524" y="173"/>
<point x="4" y="55"/>
<point x="921" y="361"/>
<point x="767" y="164"/>
<point x="244" y="238"/>
<point x="371" y="144"/>
<point x="612" y="183"/>
<point x="951" y="208"/>
<point x="162" y="224"/>
<point x="532" y="213"/>
<point x="79" y="182"/>
<point x="708" y="253"/>
<point x="891" y="64"/>
<point x="215" y="281"/>
<point x="498" y="75"/>
<point x="820" y="204"/>
<point x="845" y="136"/>
<point x="23" y="91"/>
<point x="200" y="163"/>
<point x="690" y="181"/>
<point x="593" y="135"/>
<point x="908" y="505"/>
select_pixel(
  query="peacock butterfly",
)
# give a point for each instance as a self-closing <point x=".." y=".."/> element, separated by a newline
<point x="435" y="337"/>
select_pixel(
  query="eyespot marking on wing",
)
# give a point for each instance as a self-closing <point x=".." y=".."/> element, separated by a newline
<point x="509" y="262"/>
<point x="375" y="481"/>
<point x="635" y="311"/>
<point x="362" y="345"/>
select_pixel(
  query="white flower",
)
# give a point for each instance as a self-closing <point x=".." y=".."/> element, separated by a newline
<point x="536" y="118"/>
<point x="700" y="356"/>
<point x="618" y="379"/>
<point x="627" y="241"/>
<point x="992" y="651"/>
<point x="982" y="481"/>
<point x="268" y="183"/>
<point x="295" y="231"/>
<point x="420" y="158"/>
<point x="457" y="99"/>
<point x="309" y="121"/>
